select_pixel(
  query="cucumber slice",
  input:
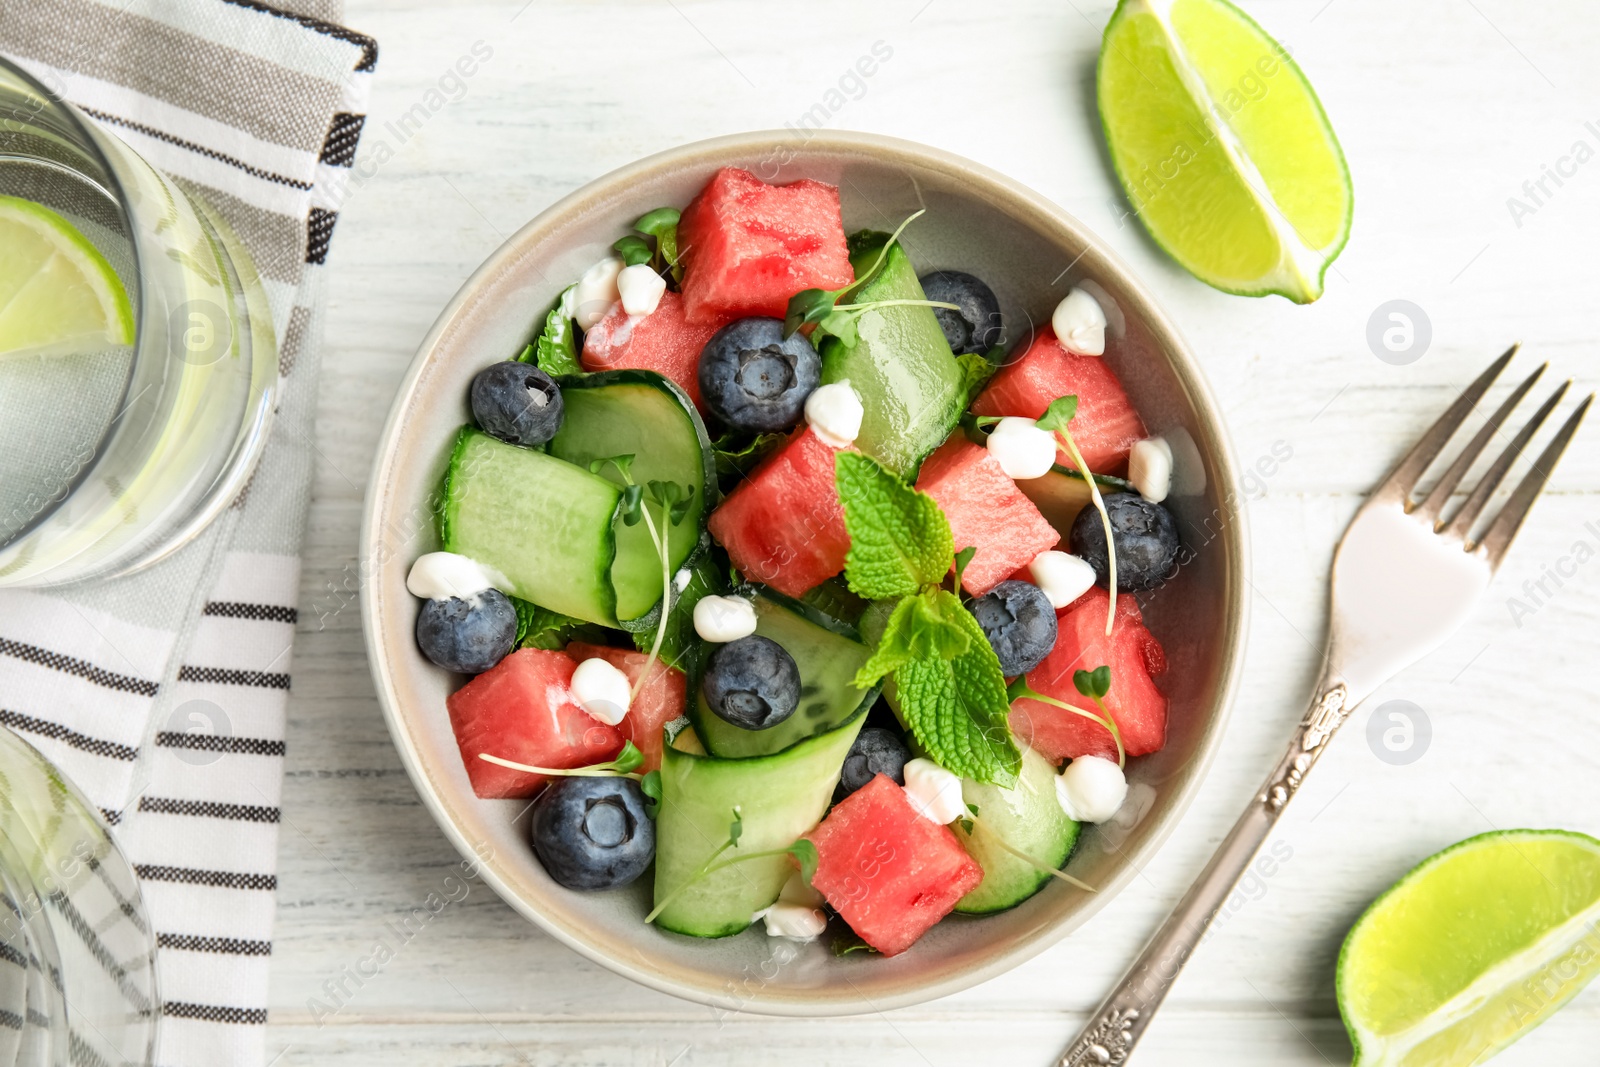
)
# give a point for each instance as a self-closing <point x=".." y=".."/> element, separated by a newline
<point x="828" y="653"/>
<point x="543" y="524"/>
<point x="1030" y="820"/>
<point x="639" y="412"/>
<point x="911" y="387"/>
<point x="779" y="798"/>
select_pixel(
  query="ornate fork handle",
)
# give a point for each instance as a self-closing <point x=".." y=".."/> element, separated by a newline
<point x="1120" y="1021"/>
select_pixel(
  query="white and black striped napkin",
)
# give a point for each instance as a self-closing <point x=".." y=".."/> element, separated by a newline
<point x="163" y="695"/>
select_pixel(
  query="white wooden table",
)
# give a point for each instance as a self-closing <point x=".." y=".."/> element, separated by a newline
<point x="1445" y="108"/>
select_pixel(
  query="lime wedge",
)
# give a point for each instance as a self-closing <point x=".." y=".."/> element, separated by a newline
<point x="57" y="292"/>
<point x="1223" y="147"/>
<point x="1471" y="950"/>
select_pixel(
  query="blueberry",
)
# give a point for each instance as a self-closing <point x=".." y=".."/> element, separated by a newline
<point x="593" y="833"/>
<point x="977" y="326"/>
<point x="1020" y="624"/>
<point x="1146" y="536"/>
<point x="752" y="683"/>
<point x="754" y="380"/>
<point x="876" y="751"/>
<point x="517" y="402"/>
<point x="468" y="636"/>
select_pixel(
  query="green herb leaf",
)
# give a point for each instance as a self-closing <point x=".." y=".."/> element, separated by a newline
<point x="899" y="539"/>
<point x="539" y="627"/>
<point x="917" y="629"/>
<point x="1095" y="683"/>
<point x="623" y="463"/>
<point x="958" y="708"/>
<point x="680" y="644"/>
<point x="650" y="786"/>
<point x="808" y="306"/>
<point x="680" y="510"/>
<point x="633" y="250"/>
<point x="981" y="421"/>
<point x="1058" y="414"/>
<point x="738" y="455"/>
<point x="736" y="828"/>
<point x="963" y="558"/>
<point x="805" y="854"/>
<point x="629" y="759"/>
<point x="632" y="511"/>
<point x="555" y="350"/>
<point x="844" y="946"/>
<point x="662" y="224"/>
<point x="976" y="370"/>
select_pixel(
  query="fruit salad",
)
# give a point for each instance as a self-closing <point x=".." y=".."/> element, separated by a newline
<point x="785" y="583"/>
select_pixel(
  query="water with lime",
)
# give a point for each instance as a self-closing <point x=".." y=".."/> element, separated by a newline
<point x="137" y="358"/>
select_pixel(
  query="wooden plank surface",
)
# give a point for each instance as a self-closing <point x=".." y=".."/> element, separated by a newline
<point x="1445" y="108"/>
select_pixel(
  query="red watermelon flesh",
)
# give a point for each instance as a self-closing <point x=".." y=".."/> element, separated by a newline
<point x="889" y="872"/>
<point x="662" y="341"/>
<point x="1137" y="707"/>
<point x="661" y="699"/>
<point x="784" y="525"/>
<point x="522" y="710"/>
<point x="1106" y="426"/>
<point x="986" y="510"/>
<point x="747" y="246"/>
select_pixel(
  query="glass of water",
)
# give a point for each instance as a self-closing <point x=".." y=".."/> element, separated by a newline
<point x="77" y="958"/>
<point x="119" y="446"/>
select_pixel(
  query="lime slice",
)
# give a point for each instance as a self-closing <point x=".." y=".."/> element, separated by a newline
<point x="1471" y="950"/>
<point x="57" y="292"/>
<point x="1223" y="147"/>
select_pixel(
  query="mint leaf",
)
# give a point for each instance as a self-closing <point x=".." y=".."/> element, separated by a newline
<point x="958" y="708"/>
<point x="917" y="629"/>
<point x="899" y="539"/>
<point x="556" y="348"/>
<point x="1058" y="414"/>
<point x="737" y="456"/>
<point x="976" y="370"/>
<point x="550" y="630"/>
<point x="680" y="645"/>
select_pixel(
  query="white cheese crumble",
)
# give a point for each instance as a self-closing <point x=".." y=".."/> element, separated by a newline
<point x="640" y="289"/>
<point x="1150" y="468"/>
<point x="834" y="413"/>
<point x="797" y="913"/>
<point x="1022" y="449"/>
<point x="681" y="580"/>
<point x="1091" y="789"/>
<point x="1080" y="324"/>
<point x="1063" y="576"/>
<point x="442" y="575"/>
<point x="596" y="291"/>
<point x="934" y="792"/>
<point x="601" y="690"/>
<point x="721" y="619"/>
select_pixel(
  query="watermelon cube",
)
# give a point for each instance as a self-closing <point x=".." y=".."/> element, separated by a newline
<point x="660" y="700"/>
<point x="784" y="524"/>
<point x="890" y="873"/>
<point x="1106" y="426"/>
<point x="662" y="341"/>
<point x="522" y="710"/>
<point x="986" y="511"/>
<point x="1137" y="707"/>
<point x="747" y="246"/>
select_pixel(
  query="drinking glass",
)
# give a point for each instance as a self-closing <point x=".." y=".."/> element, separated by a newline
<point x="112" y="458"/>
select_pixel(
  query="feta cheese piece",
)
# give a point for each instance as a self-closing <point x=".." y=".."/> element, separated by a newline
<point x="601" y="690"/>
<point x="834" y="413"/>
<point x="1063" y="576"/>
<point x="797" y="914"/>
<point x="681" y="580"/>
<point x="640" y="289"/>
<point x="596" y="292"/>
<point x="934" y="792"/>
<point x="1024" y="450"/>
<point x="1091" y="789"/>
<point x="1080" y="324"/>
<point x="1150" y="468"/>
<point x="724" y="618"/>
<point x="442" y="575"/>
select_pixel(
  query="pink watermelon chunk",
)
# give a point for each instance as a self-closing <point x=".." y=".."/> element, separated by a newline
<point x="889" y="872"/>
<point x="661" y="699"/>
<point x="522" y="710"/>
<point x="1106" y="426"/>
<point x="662" y="341"/>
<point x="784" y="525"/>
<point x="747" y="246"/>
<point x="1137" y="707"/>
<point x="986" y="510"/>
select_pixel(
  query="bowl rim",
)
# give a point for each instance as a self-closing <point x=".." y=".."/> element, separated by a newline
<point x="1185" y="367"/>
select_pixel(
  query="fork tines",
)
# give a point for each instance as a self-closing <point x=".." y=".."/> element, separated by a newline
<point x="1497" y="536"/>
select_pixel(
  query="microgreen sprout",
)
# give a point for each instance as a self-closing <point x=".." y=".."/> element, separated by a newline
<point x="633" y="250"/>
<point x="803" y="852"/>
<point x="650" y="786"/>
<point x="1055" y="419"/>
<point x="626" y="763"/>
<point x="662" y="224"/>
<point x="963" y="558"/>
<point x="1021" y="690"/>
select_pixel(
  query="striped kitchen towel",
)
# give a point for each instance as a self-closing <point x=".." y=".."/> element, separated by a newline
<point x="163" y="695"/>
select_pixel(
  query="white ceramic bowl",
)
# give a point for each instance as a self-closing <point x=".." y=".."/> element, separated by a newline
<point x="1031" y="252"/>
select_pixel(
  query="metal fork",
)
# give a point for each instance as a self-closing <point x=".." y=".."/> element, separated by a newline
<point x="1404" y="579"/>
